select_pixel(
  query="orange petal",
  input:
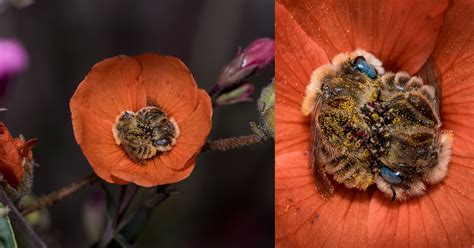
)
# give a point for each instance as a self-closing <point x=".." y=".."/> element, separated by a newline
<point x="454" y="49"/>
<point x="153" y="173"/>
<point x="401" y="34"/>
<point x="110" y="162"/>
<point x="11" y="172"/>
<point x="110" y="88"/>
<point x="193" y="134"/>
<point x="454" y="55"/>
<point x="304" y="219"/>
<point x="170" y="84"/>
<point x="442" y="218"/>
<point x="13" y="151"/>
<point x="297" y="56"/>
<point x="94" y="135"/>
<point x="5" y="135"/>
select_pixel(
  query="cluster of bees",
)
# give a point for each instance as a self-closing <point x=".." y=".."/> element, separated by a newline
<point x="375" y="127"/>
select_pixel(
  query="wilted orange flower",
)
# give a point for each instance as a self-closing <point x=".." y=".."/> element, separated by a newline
<point x="141" y="119"/>
<point x="402" y="35"/>
<point x="15" y="157"/>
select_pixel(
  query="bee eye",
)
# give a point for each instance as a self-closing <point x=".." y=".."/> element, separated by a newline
<point x="361" y="64"/>
<point x="161" y="142"/>
<point x="127" y="115"/>
<point x="390" y="176"/>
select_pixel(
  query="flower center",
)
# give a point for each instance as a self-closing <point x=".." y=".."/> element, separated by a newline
<point x="146" y="133"/>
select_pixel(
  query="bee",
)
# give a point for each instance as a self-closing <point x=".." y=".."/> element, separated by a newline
<point x="370" y="127"/>
<point x="145" y="133"/>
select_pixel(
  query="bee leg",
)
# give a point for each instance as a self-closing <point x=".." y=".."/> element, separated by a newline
<point x="394" y="194"/>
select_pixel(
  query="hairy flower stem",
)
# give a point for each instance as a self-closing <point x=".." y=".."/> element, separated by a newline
<point x="60" y="194"/>
<point x="215" y="145"/>
<point x="214" y="90"/>
<point x="232" y="143"/>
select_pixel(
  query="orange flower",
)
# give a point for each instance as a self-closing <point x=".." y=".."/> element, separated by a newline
<point x="15" y="157"/>
<point x="402" y="35"/>
<point x="154" y="146"/>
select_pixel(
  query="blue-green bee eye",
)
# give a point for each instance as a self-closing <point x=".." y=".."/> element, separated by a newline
<point x="361" y="64"/>
<point x="390" y="176"/>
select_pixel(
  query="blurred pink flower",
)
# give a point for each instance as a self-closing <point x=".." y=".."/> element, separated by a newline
<point x="13" y="57"/>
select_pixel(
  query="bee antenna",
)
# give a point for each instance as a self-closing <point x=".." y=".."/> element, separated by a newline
<point x="394" y="195"/>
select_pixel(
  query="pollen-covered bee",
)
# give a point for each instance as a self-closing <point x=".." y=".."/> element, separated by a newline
<point x="370" y="127"/>
<point x="146" y="133"/>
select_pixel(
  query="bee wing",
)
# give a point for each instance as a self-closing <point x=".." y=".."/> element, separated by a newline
<point x="131" y="153"/>
<point x="431" y="76"/>
<point x="150" y="102"/>
<point x="321" y="180"/>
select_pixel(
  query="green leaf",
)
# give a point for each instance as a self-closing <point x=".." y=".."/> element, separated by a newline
<point x="136" y="225"/>
<point x="111" y="203"/>
<point x="122" y="242"/>
<point x="7" y="236"/>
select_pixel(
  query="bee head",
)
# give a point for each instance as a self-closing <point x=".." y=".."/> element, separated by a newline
<point x="360" y="64"/>
<point x="400" y="182"/>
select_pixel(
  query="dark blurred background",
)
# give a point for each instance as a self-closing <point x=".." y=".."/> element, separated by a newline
<point x="228" y="199"/>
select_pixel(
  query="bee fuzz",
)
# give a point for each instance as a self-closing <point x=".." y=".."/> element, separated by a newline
<point x="314" y="88"/>
<point x="440" y="170"/>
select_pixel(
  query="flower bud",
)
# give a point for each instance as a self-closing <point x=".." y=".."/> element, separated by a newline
<point x="259" y="53"/>
<point x="239" y="94"/>
<point x="266" y="108"/>
<point x="255" y="56"/>
<point x="16" y="163"/>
